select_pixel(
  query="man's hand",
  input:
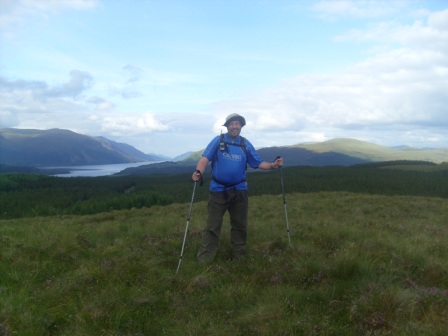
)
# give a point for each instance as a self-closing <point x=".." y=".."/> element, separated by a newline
<point x="278" y="162"/>
<point x="196" y="176"/>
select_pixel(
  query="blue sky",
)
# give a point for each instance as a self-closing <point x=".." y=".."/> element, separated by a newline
<point x="162" y="75"/>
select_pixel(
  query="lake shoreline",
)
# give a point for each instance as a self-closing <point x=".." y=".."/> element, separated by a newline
<point x="92" y="170"/>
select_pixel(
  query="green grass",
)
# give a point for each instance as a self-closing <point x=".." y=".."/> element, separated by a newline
<point x="28" y="195"/>
<point x="359" y="265"/>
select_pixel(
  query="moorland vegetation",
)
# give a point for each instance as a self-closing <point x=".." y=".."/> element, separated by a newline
<point x="28" y="195"/>
<point x="98" y="256"/>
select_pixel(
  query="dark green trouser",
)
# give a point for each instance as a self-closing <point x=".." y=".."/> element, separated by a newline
<point x="236" y="202"/>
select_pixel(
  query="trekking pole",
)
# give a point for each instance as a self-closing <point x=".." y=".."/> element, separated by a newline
<point x="284" y="202"/>
<point x="186" y="228"/>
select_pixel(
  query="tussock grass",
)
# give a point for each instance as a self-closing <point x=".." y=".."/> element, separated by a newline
<point x="359" y="265"/>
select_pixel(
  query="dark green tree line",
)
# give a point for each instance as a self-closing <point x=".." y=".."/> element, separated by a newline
<point x="27" y="195"/>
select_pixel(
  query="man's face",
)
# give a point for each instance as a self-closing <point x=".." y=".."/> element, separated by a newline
<point x="234" y="129"/>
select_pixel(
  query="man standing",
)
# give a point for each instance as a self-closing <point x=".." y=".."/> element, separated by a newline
<point x="229" y="154"/>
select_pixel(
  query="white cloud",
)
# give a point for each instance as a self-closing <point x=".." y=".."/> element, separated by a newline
<point x="101" y="104"/>
<point x="56" y="5"/>
<point x="136" y="124"/>
<point x="16" y="90"/>
<point x="134" y="73"/>
<point x="430" y="35"/>
<point x="390" y="88"/>
<point x="439" y="20"/>
<point x="15" y="12"/>
<point x="361" y="9"/>
<point x="8" y="119"/>
<point x="397" y="95"/>
<point x="401" y="90"/>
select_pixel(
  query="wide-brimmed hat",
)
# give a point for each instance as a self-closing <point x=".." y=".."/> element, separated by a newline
<point x="233" y="117"/>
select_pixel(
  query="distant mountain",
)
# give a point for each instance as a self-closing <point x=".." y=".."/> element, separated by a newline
<point x="344" y="152"/>
<point x="59" y="147"/>
<point x="304" y="157"/>
<point x="295" y="156"/>
<point x="158" y="157"/>
<point x="376" y="153"/>
<point x="183" y="156"/>
<point x="167" y="167"/>
<point x="336" y="152"/>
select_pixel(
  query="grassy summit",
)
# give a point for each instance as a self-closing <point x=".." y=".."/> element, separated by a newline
<point x="359" y="265"/>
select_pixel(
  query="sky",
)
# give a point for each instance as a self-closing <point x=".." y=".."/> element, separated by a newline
<point x="162" y="75"/>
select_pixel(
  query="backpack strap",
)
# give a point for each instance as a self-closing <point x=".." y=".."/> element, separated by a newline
<point x="223" y="146"/>
<point x="243" y="145"/>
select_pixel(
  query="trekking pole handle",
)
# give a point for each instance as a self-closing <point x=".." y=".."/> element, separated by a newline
<point x="201" y="181"/>
<point x="278" y="157"/>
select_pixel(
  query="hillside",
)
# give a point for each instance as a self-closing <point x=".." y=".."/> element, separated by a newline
<point x="366" y="255"/>
<point x="336" y="152"/>
<point x="359" y="265"/>
<point x="375" y="153"/>
<point x="24" y="195"/>
<point x="299" y="156"/>
<point x="345" y="152"/>
<point x="58" y="147"/>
